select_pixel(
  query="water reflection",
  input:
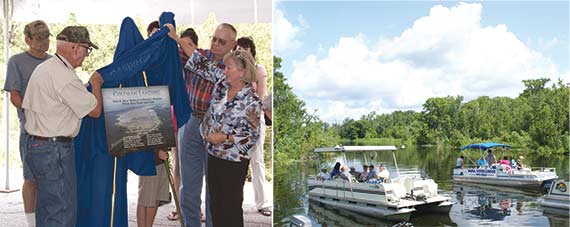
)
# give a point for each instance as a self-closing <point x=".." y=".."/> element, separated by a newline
<point x="475" y="205"/>
<point x="328" y="216"/>
<point x="478" y="204"/>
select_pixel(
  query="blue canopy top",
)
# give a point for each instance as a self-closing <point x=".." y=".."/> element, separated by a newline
<point x="485" y="146"/>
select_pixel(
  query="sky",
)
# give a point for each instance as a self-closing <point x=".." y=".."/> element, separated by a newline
<point x="347" y="59"/>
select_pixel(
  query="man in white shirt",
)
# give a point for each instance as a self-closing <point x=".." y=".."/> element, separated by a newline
<point x="383" y="174"/>
<point x="56" y="100"/>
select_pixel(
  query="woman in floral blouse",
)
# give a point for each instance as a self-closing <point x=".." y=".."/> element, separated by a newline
<point x="230" y="129"/>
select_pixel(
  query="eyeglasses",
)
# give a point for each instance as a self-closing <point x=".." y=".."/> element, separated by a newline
<point x="219" y="41"/>
<point x="89" y="49"/>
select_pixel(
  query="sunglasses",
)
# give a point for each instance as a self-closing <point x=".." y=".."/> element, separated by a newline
<point x="219" y="41"/>
<point x="89" y="49"/>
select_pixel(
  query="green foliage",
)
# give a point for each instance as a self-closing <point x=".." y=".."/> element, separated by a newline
<point x="537" y="121"/>
<point x="299" y="131"/>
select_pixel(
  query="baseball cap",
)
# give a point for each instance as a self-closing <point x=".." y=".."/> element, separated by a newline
<point x="76" y="34"/>
<point x="35" y="28"/>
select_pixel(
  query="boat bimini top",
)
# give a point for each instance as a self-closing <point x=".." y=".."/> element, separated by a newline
<point x="339" y="148"/>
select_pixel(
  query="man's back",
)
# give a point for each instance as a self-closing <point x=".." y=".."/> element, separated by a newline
<point x="491" y="158"/>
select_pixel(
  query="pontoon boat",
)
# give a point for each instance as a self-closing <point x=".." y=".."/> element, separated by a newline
<point x="496" y="174"/>
<point x="395" y="199"/>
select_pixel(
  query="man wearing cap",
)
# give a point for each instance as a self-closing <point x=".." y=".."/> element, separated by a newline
<point x="55" y="102"/>
<point x="520" y="164"/>
<point x="20" y="68"/>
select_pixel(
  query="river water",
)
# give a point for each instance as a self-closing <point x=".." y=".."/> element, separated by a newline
<point x="474" y="205"/>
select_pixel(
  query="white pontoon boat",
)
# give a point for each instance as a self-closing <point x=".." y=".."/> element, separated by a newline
<point x="496" y="174"/>
<point x="395" y="199"/>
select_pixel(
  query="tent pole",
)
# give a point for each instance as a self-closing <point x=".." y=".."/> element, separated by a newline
<point x="114" y="191"/>
<point x="255" y="11"/>
<point x="8" y="5"/>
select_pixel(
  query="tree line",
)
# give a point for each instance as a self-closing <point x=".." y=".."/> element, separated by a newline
<point x="537" y="121"/>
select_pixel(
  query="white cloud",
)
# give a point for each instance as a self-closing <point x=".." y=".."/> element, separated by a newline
<point x="285" y="34"/>
<point x="445" y="53"/>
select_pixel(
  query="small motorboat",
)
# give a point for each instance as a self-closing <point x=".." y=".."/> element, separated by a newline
<point x="558" y="196"/>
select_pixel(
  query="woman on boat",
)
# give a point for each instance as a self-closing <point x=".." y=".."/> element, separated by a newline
<point x="506" y="164"/>
<point x="336" y="170"/>
<point x="505" y="161"/>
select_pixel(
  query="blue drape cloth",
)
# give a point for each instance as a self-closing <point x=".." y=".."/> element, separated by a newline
<point x="158" y="57"/>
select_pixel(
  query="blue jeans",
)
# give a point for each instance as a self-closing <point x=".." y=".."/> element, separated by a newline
<point x="23" y="147"/>
<point x="53" y="167"/>
<point x="193" y="165"/>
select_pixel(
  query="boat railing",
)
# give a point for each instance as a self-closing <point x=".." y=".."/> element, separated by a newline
<point x="474" y="167"/>
<point x="524" y="169"/>
<point x="543" y="169"/>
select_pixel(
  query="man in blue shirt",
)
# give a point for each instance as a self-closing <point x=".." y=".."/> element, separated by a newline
<point x="18" y="73"/>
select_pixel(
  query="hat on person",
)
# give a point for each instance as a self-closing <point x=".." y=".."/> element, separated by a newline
<point x="521" y="157"/>
<point x="76" y="34"/>
<point x="37" y="27"/>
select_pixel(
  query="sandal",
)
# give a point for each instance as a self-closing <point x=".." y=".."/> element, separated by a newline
<point x="265" y="211"/>
<point x="173" y="216"/>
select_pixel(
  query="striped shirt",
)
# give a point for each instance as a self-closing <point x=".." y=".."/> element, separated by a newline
<point x="199" y="89"/>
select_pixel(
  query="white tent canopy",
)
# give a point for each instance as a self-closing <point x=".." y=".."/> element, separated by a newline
<point x="113" y="11"/>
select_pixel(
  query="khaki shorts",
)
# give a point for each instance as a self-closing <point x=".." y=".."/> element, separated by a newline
<point x="153" y="189"/>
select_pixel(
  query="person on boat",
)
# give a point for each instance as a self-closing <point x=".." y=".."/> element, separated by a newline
<point x="512" y="161"/>
<point x="364" y="175"/>
<point x="383" y="175"/>
<point x="482" y="162"/>
<point x="354" y="173"/>
<point x="336" y="170"/>
<point x="520" y="164"/>
<point x="372" y="173"/>
<point x="505" y="161"/>
<point x="459" y="162"/>
<point x="506" y="164"/>
<point x="491" y="157"/>
<point x="344" y="174"/>
<point x="323" y="175"/>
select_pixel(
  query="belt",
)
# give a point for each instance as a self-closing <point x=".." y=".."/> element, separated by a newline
<point x="53" y="139"/>
<point x="198" y="114"/>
